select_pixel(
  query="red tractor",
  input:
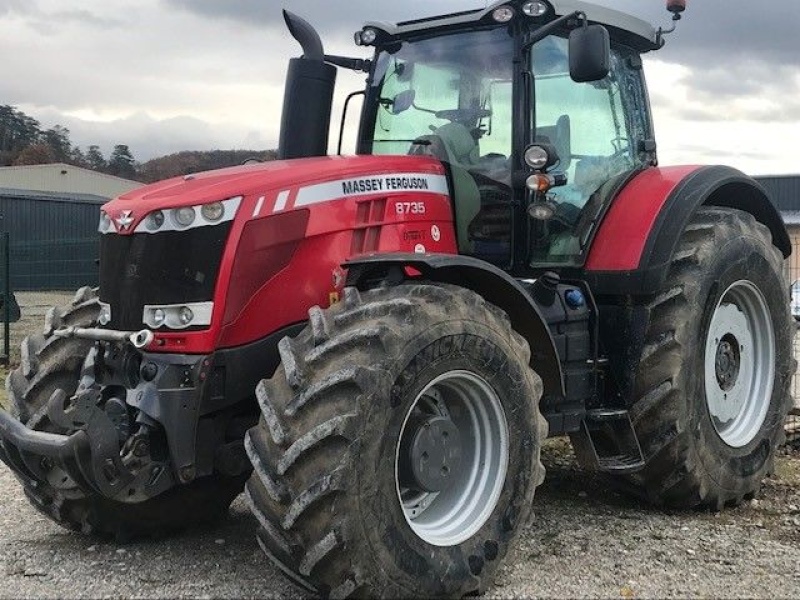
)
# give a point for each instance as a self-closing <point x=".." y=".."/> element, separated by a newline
<point x="375" y="347"/>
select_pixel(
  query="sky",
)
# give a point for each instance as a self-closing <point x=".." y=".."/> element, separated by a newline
<point x="168" y="75"/>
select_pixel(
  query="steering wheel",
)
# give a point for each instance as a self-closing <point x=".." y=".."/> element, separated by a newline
<point x="465" y="116"/>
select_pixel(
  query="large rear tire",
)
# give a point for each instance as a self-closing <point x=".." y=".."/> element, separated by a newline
<point x="712" y="387"/>
<point x="49" y="363"/>
<point x="398" y="451"/>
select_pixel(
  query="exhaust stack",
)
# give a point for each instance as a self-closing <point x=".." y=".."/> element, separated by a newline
<point x="308" y="99"/>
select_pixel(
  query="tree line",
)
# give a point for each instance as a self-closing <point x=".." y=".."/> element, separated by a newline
<point x="23" y="141"/>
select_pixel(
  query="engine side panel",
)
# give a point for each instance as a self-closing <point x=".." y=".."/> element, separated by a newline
<point x="384" y="212"/>
<point x="296" y="223"/>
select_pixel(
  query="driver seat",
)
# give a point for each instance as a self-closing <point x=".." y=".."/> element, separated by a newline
<point x="455" y="145"/>
<point x="560" y="135"/>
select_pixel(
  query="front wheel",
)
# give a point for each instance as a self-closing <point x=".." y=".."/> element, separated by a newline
<point x="51" y="363"/>
<point x="398" y="451"/>
<point x="712" y="388"/>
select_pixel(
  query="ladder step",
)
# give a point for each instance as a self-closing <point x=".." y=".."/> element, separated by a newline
<point x="611" y="441"/>
<point x="606" y="414"/>
<point x="620" y="464"/>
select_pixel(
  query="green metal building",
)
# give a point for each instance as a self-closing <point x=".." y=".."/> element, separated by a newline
<point x="51" y="213"/>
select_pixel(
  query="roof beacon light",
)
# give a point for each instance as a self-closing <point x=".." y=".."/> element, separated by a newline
<point x="536" y="8"/>
<point x="503" y="14"/>
<point x="676" y="7"/>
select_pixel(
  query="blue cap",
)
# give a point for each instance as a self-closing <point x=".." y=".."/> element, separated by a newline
<point x="575" y="299"/>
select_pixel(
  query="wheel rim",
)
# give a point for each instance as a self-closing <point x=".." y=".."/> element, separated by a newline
<point x="451" y="459"/>
<point x="740" y="364"/>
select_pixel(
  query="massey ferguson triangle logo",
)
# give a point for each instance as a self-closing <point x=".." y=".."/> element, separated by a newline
<point x="125" y="220"/>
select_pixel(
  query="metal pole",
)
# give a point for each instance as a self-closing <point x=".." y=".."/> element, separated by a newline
<point x="6" y="249"/>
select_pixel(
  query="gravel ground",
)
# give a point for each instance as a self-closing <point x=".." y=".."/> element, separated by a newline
<point x="585" y="541"/>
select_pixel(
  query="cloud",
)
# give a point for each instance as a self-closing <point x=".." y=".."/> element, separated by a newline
<point x="326" y="15"/>
<point x="158" y="74"/>
<point x="149" y="137"/>
<point x="10" y="7"/>
<point x="84" y="17"/>
<point x="719" y="95"/>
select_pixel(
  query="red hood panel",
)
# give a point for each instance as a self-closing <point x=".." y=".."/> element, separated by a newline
<point x="260" y="179"/>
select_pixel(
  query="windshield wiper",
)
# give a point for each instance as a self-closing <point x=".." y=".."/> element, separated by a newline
<point x="417" y="141"/>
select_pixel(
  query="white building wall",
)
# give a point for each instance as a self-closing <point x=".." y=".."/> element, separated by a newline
<point x="62" y="178"/>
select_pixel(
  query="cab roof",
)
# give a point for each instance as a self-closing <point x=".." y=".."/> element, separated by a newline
<point x="630" y="30"/>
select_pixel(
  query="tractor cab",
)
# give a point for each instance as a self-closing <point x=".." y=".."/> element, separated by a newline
<point x="535" y="113"/>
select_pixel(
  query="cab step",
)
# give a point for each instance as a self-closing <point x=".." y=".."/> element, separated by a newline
<point x="609" y="438"/>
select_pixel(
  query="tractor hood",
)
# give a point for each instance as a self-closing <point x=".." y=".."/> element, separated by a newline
<point x="276" y="185"/>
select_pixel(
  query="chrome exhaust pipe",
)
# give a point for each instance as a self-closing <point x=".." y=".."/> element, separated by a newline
<point x="138" y="339"/>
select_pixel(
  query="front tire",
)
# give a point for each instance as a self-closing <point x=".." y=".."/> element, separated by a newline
<point x="712" y="387"/>
<point x="398" y="451"/>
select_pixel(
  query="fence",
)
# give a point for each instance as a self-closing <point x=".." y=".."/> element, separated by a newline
<point x="63" y="264"/>
<point x="793" y="275"/>
<point x="6" y="297"/>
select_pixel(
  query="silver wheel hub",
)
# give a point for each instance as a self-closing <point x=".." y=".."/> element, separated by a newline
<point x="452" y="458"/>
<point x="739" y="364"/>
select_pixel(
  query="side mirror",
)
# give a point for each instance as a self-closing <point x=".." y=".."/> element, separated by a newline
<point x="589" y="53"/>
<point x="405" y="72"/>
<point x="403" y="101"/>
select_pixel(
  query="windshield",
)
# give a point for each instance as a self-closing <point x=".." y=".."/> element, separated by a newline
<point x="464" y="78"/>
<point x="451" y="97"/>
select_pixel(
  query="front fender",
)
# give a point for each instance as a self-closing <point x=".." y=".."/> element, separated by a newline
<point x="494" y="285"/>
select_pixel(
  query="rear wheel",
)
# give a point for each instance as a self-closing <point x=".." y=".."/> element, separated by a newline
<point x="712" y="386"/>
<point x="49" y="363"/>
<point x="398" y="451"/>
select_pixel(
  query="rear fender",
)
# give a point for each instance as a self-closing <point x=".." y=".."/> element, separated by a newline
<point x="495" y="286"/>
<point x="636" y="242"/>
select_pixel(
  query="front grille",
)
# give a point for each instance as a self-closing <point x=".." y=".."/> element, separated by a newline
<point x="174" y="267"/>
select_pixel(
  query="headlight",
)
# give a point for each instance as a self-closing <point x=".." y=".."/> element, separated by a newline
<point x="105" y="223"/>
<point x="155" y="221"/>
<point x="186" y="315"/>
<point x="213" y="212"/>
<point x="185" y="216"/>
<point x="159" y="316"/>
<point x="368" y="36"/>
<point x="503" y="14"/>
<point x="190" y="217"/>
<point x="536" y="8"/>
<point x="105" y="314"/>
<point x="537" y="157"/>
<point x="542" y="211"/>
<point x="178" y="316"/>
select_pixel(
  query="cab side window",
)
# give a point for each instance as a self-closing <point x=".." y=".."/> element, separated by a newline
<point x="596" y="129"/>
